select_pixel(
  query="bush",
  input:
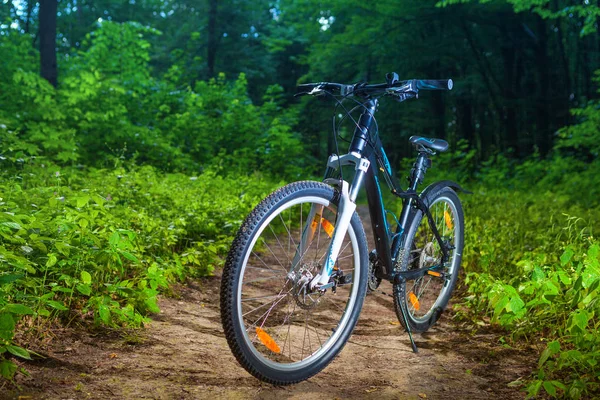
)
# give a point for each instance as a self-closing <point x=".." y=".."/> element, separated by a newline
<point x="99" y="245"/>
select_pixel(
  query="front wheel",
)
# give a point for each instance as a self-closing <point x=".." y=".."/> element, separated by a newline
<point x="425" y="298"/>
<point x="280" y="330"/>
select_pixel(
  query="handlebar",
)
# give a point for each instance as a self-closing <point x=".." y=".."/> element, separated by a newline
<point x="399" y="89"/>
<point x="435" y="84"/>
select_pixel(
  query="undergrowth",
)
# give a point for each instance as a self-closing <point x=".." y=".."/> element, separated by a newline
<point x="532" y="264"/>
<point x="97" y="246"/>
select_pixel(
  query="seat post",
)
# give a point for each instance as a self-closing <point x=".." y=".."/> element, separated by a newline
<point x="417" y="174"/>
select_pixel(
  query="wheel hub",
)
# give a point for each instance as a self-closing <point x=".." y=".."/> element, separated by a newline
<point x="427" y="258"/>
<point x="305" y="297"/>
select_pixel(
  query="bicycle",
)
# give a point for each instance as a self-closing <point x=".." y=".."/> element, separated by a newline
<point x="299" y="268"/>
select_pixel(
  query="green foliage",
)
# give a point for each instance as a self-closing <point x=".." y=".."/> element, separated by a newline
<point x="32" y="121"/>
<point x="582" y="138"/>
<point x="534" y="268"/>
<point x="110" y="107"/>
<point x="586" y="12"/>
<point x="100" y="245"/>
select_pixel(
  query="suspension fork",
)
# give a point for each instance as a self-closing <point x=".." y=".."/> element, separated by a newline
<point x="346" y="207"/>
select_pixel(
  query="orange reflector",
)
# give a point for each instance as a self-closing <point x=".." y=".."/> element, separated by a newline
<point x="433" y="273"/>
<point x="327" y="226"/>
<point x="448" y="219"/>
<point x="315" y="222"/>
<point x="267" y="340"/>
<point x="413" y="300"/>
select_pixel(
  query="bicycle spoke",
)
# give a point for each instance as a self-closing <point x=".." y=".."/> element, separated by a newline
<point x="280" y="245"/>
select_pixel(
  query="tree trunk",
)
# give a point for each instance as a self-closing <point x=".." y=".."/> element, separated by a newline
<point x="541" y="59"/>
<point x="509" y="59"/>
<point x="47" y="31"/>
<point x="30" y="4"/>
<point x="212" y="36"/>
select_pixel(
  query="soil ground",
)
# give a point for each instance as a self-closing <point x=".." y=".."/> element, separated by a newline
<point x="182" y="354"/>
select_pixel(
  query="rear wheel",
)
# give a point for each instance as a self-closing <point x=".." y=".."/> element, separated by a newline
<point x="280" y="330"/>
<point x="425" y="298"/>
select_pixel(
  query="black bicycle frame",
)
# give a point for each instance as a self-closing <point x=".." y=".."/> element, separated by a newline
<point x="388" y="245"/>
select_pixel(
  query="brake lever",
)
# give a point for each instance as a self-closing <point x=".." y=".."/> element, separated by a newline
<point x="316" y="91"/>
<point x="400" y="97"/>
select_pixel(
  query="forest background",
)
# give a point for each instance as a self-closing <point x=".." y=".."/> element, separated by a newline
<point x="136" y="135"/>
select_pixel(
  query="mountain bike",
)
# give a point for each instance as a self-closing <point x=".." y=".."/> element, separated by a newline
<point x="299" y="268"/>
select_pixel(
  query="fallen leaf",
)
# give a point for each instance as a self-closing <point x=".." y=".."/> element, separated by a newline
<point x="113" y="355"/>
<point x="422" y="395"/>
<point x="394" y="323"/>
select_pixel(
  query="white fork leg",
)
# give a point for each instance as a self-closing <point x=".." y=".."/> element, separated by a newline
<point x="346" y="209"/>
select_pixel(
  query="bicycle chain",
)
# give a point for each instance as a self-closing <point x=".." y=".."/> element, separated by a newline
<point x="397" y="268"/>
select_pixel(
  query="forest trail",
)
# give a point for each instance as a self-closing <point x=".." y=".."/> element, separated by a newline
<point x="183" y="354"/>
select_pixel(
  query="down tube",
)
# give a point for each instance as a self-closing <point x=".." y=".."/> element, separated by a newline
<point x="378" y="220"/>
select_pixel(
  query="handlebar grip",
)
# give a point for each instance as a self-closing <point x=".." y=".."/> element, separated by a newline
<point x="434" y="84"/>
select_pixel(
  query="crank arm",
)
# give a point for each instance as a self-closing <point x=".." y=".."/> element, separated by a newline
<point x="414" y="274"/>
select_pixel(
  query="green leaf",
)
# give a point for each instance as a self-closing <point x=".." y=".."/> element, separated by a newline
<point x="534" y="388"/>
<point x="18" y="309"/>
<point x="129" y="256"/>
<point x="104" y="313"/>
<point x="9" y="278"/>
<point x="550" y="350"/>
<point x="43" y="312"/>
<point x="12" y="225"/>
<point x="7" y="326"/>
<point x="84" y="289"/>
<point x="18" y="351"/>
<point x="566" y="256"/>
<point x="515" y="305"/>
<point x="538" y="274"/>
<point x="564" y="278"/>
<point x="152" y="305"/>
<point x="550" y="389"/>
<point x="57" y="305"/>
<point x="51" y="260"/>
<point x="554" y="346"/>
<point x="594" y="251"/>
<point x="581" y="318"/>
<point x="62" y="248"/>
<point x="114" y="239"/>
<point x="98" y="199"/>
<point x="500" y="305"/>
<point x="86" y="277"/>
<point x="82" y="201"/>
<point x="7" y="369"/>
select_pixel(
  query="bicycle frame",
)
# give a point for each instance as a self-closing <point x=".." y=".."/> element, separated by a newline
<point x="367" y="157"/>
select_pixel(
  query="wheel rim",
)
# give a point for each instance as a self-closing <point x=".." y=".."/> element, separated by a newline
<point x="295" y="328"/>
<point x="425" y="294"/>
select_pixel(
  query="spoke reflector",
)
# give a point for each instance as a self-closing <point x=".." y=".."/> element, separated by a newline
<point x="433" y="273"/>
<point x="413" y="300"/>
<point x="327" y="226"/>
<point x="267" y="340"/>
<point x="315" y="221"/>
<point x="448" y="219"/>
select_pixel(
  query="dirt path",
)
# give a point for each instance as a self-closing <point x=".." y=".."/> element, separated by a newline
<point x="183" y="355"/>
